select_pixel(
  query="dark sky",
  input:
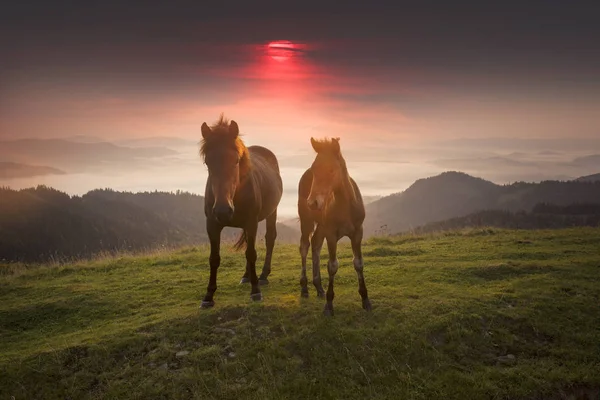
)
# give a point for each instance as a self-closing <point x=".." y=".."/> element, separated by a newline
<point x="514" y="34"/>
<point x="73" y="51"/>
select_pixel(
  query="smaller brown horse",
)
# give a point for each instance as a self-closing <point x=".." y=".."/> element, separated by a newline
<point x="329" y="198"/>
<point x="243" y="188"/>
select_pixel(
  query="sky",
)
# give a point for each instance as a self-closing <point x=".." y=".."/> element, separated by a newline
<point x="503" y="90"/>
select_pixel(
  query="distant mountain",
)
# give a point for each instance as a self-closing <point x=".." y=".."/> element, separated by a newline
<point x="84" y="139"/>
<point x="10" y="170"/>
<point x="370" y="199"/>
<point x="591" y="161"/>
<point x="42" y="224"/>
<point x="430" y="199"/>
<point x="455" y="194"/>
<point x="549" y="153"/>
<point x="152" y="141"/>
<point x="158" y="141"/>
<point x="482" y="163"/>
<point x="534" y="144"/>
<point x="589" y="178"/>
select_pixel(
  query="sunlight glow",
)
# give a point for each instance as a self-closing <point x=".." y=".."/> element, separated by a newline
<point x="283" y="50"/>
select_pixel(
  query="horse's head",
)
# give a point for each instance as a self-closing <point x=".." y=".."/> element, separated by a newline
<point x="327" y="170"/>
<point x="223" y="153"/>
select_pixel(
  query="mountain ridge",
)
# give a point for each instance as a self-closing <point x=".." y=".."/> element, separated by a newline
<point x="43" y="223"/>
<point x="455" y="194"/>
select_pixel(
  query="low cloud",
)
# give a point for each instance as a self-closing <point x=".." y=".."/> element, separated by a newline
<point x="10" y="170"/>
<point x="77" y="157"/>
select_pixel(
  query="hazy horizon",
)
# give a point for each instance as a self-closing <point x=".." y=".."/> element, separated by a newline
<point x="505" y="92"/>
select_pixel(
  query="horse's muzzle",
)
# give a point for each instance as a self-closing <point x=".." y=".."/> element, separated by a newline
<point x="223" y="213"/>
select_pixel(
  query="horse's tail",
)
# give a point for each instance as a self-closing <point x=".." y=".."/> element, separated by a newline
<point x="241" y="242"/>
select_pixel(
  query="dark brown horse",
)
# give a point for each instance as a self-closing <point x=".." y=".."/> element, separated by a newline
<point x="329" y="198"/>
<point x="243" y="188"/>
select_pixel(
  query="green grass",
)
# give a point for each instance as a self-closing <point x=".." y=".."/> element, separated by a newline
<point x="478" y="314"/>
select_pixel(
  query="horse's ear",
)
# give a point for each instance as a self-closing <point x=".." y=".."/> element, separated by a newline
<point x="335" y="142"/>
<point x="206" y="131"/>
<point x="315" y="145"/>
<point x="234" y="129"/>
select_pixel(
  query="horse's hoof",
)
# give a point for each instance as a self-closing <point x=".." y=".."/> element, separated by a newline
<point x="244" y="280"/>
<point x="207" y="304"/>
<point x="304" y="293"/>
<point x="321" y="294"/>
<point x="367" y="305"/>
<point x="256" y="296"/>
<point x="263" y="282"/>
<point x="328" y="312"/>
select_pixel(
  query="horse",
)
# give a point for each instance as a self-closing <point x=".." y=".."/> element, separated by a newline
<point x="244" y="187"/>
<point x="330" y="199"/>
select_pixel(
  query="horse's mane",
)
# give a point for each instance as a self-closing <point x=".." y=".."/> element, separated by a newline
<point x="328" y="145"/>
<point x="331" y="147"/>
<point x="221" y="137"/>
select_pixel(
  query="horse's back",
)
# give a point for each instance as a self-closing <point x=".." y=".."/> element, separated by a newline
<point x="359" y="211"/>
<point x="266" y="155"/>
<point x="265" y="166"/>
<point x="304" y="186"/>
<point x="307" y="217"/>
<point x="266" y="178"/>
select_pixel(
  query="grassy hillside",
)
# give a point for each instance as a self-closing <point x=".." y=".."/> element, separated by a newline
<point x="476" y="314"/>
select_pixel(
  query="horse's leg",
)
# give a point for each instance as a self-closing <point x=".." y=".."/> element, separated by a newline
<point x="332" y="268"/>
<point x="270" y="237"/>
<point x="214" y="234"/>
<point x="317" y="244"/>
<point x="250" y="230"/>
<point x="306" y="228"/>
<point x="358" y="266"/>
<point x="246" y="276"/>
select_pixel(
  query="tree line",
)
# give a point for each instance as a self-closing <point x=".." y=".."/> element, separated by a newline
<point x="42" y="223"/>
<point x="542" y="216"/>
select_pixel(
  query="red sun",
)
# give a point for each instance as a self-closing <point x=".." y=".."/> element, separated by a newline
<point x="282" y="50"/>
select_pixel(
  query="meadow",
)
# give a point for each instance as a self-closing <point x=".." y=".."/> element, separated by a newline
<point x="471" y="314"/>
